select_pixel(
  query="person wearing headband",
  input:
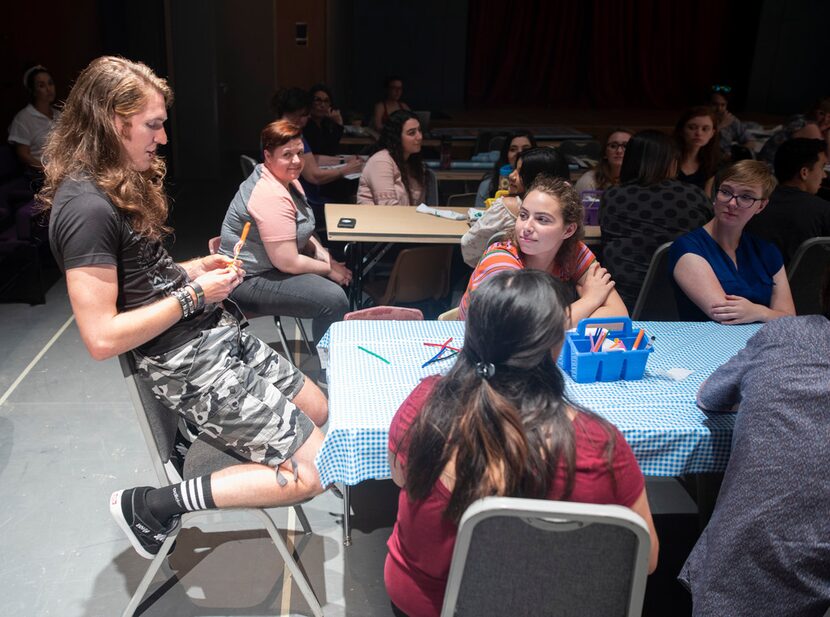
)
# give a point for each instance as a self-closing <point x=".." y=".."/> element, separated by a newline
<point x="497" y="424"/>
<point x="32" y="124"/>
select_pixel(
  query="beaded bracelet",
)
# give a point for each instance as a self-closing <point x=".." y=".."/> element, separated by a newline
<point x="185" y="301"/>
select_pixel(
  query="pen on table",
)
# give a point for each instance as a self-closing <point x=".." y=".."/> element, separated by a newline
<point x="440" y="351"/>
<point x="437" y="359"/>
<point x="638" y="339"/>
<point x="372" y="353"/>
<point x="440" y="345"/>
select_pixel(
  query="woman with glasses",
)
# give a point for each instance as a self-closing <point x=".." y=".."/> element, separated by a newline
<point x="393" y="85"/>
<point x="695" y="133"/>
<point x="647" y="209"/>
<point x="723" y="273"/>
<point x="294" y="105"/>
<point x="607" y="172"/>
<point x="325" y="124"/>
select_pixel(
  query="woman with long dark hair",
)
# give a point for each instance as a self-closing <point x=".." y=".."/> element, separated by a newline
<point x="695" y="134"/>
<point x="607" y="172"/>
<point x="395" y="175"/>
<point x="648" y="209"/>
<point x="497" y="424"/>
<point x="514" y="144"/>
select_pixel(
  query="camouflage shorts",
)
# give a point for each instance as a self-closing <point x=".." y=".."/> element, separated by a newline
<point x="235" y="388"/>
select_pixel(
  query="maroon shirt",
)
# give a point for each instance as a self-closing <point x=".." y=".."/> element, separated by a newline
<point x="421" y="544"/>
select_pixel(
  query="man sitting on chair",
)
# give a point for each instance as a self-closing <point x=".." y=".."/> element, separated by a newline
<point x="104" y="187"/>
<point x="794" y="212"/>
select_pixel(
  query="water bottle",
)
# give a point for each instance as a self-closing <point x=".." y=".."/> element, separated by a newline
<point x="504" y="181"/>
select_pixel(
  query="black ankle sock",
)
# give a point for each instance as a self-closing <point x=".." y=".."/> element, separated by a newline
<point x="189" y="496"/>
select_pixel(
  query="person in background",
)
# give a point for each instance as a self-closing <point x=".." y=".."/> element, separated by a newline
<point x="324" y="128"/>
<point x="695" y="135"/>
<point x="548" y="237"/>
<point x="395" y="175"/>
<point x="104" y="190"/>
<point x="647" y="209"/>
<point x="322" y="133"/>
<point x="500" y="218"/>
<point x="815" y="124"/>
<point x="32" y="124"/>
<point x="289" y="273"/>
<point x="723" y="273"/>
<point x="794" y="212"/>
<point x="506" y="392"/>
<point x="513" y="144"/>
<point x="294" y="104"/>
<point x="607" y="172"/>
<point x="765" y="549"/>
<point x="393" y="86"/>
<point x="731" y="131"/>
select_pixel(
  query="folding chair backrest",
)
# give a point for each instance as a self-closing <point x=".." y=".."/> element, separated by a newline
<point x="805" y="274"/>
<point x="420" y="273"/>
<point x="536" y="557"/>
<point x="386" y="313"/>
<point x="460" y="200"/>
<point x="158" y="424"/>
<point x="656" y="301"/>
<point x="431" y="195"/>
<point x="247" y="163"/>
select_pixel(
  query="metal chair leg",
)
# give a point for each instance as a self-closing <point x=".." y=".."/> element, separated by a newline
<point x="306" y="340"/>
<point x="347" y="523"/>
<point x="283" y="341"/>
<point x="301" y="516"/>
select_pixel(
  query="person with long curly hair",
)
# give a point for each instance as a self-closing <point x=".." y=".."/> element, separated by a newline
<point x="104" y="189"/>
<point x="395" y="175"/>
<point x="497" y="424"/>
<point x="548" y="236"/>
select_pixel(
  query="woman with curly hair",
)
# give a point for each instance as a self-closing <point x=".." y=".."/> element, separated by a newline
<point x="548" y="237"/>
<point x="497" y="424"/>
<point x="395" y="175"/>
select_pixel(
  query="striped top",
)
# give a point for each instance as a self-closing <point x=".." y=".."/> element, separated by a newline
<point x="502" y="256"/>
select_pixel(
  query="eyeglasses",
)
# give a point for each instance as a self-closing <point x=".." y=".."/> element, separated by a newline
<point x="317" y="99"/>
<point x="617" y="145"/>
<point x="724" y="89"/>
<point x="742" y="201"/>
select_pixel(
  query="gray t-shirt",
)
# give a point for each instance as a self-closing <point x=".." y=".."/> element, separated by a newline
<point x="766" y="549"/>
<point x="86" y="229"/>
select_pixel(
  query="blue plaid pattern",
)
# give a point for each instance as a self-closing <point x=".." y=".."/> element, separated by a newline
<point x="670" y="436"/>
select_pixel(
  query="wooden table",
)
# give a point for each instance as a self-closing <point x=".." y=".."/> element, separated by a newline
<point x="387" y="225"/>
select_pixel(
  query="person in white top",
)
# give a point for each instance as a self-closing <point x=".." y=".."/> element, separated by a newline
<point x="607" y="171"/>
<point x="31" y="125"/>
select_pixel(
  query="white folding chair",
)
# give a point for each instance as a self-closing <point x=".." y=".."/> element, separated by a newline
<point x="554" y="558"/>
<point x="205" y="455"/>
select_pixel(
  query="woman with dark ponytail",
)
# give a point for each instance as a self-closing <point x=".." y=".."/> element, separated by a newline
<point x="497" y="424"/>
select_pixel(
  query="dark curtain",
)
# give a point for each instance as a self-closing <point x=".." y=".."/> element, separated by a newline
<point x="605" y="53"/>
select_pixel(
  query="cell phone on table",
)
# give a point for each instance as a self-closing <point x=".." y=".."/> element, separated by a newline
<point x="346" y="223"/>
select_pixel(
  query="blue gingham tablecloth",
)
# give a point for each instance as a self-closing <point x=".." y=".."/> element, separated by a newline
<point x="668" y="433"/>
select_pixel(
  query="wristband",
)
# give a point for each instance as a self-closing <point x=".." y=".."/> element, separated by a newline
<point x="200" y="294"/>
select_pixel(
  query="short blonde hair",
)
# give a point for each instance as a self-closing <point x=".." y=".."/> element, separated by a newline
<point x="750" y="173"/>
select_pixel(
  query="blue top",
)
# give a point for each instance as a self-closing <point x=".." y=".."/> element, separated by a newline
<point x="758" y="261"/>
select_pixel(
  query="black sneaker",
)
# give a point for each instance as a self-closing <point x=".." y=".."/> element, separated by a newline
<point x="146" y="534"/>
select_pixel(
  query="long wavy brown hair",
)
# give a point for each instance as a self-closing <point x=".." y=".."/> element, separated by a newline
<point x="85" y="143"/>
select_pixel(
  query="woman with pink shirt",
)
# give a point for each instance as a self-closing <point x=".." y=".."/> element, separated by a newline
<point x="287" y="270"/>
<point x="395" y="175"/>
